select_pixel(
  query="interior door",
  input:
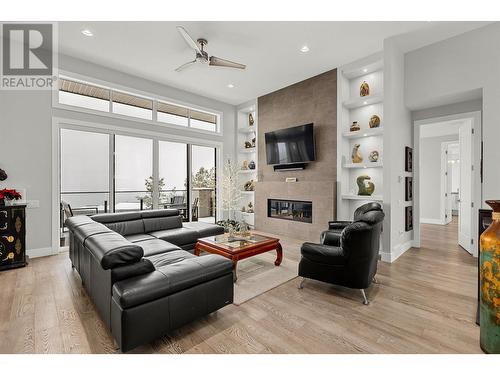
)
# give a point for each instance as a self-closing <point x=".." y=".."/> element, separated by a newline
<point x="465" y="190"/>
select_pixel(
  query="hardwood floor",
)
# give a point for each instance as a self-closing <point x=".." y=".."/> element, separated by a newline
<point x="425" y="302"/>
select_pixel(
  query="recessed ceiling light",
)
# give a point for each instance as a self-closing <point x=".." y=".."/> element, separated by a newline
<point x="87" y="32"/>
<point x="365" y="70"/>
<point x="365" y="103"/>
<point x="304" y="49"/>
<point x="230" y="85"/>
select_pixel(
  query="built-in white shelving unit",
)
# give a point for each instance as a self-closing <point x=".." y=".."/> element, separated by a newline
<point x="246" y="133"/>
<point x="353" y="107"/>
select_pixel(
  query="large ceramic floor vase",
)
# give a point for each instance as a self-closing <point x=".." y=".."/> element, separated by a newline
<point x="490" y="283"/>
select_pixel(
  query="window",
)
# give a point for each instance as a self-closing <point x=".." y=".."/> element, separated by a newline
<point x="134" y="106"/>
<point x="81" y="94"/>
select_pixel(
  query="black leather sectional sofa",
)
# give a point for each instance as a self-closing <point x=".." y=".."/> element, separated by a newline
<point x="138" y="270"/>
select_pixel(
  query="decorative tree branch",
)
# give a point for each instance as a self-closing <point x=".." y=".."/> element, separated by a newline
<point x="231" y="193"/>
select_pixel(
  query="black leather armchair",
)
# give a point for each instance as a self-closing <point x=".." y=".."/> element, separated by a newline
<point x="347" y="256"/>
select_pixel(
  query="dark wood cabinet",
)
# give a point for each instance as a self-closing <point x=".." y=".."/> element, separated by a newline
<point x="12" y="236"/>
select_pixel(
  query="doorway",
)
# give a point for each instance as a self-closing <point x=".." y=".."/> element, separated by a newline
<point x="448" y="183"/>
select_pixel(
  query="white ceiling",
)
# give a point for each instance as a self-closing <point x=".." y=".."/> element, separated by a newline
<point x="152" y="50"/>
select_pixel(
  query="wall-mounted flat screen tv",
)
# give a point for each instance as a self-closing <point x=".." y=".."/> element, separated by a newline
<point x="291" y="145"/>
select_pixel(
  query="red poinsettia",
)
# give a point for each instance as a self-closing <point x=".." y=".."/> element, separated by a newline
<point x="10" y="194"/>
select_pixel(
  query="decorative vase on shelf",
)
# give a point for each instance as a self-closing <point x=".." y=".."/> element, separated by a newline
<point x="489" y="271"/>
<point x="251" y="165"/>
<point x="365" y="187"/>
<point x="354" y="127"/>
<point x="356" y="155"/>
<point x="374" y="122"/>
<point x="364" y="89"/>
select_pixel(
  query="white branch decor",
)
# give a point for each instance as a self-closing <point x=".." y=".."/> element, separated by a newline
<point x="231" y="194"/>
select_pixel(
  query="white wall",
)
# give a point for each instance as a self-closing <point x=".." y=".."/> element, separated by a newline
<point x="456" y="68"/>
<point x="397" y="134"/>
<point x="26" y="131"/>
<point x="430" y="176"/>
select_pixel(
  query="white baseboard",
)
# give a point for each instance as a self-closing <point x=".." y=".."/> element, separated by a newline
<point x="40" y="252"/>
<point x="397" y="251"/>
<point x="431" y="221"/>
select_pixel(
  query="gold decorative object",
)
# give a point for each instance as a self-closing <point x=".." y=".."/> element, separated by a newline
<point x="250" y="119"/>
<point x="364" y="89"/>
<point x="18" y="224"/>
<point x="356" y="155"/>
<point x="245" y="165"/>
<point x="489" y="271"/>
<point x="374" y="122"/>
<point x="354" y="127"/>
<point x="373" y="157"/>
<point x="18" y="246"/>
<point x="248" y="144"/>
<point x="365" y="187"/>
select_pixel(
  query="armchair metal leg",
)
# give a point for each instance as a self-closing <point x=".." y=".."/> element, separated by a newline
<point x="365" y="300"/>
<point x="301" y="285"/>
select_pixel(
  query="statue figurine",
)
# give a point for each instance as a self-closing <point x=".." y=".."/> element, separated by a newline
<point x="243" y="209"/>
<point x="373" y="156"/>
<point x="250" y="119"/>
<point x="250" y="208"/>
<point x="374" y="122"/>
<point x="249" y="185"/>
<point x="364" y="89"/>
<point x="354" y="127"/>
<point x="356" y="155"/>
<point x="365" y="187"/>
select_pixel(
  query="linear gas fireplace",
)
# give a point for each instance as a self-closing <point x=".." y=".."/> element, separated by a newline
<point x="290" y="210"/>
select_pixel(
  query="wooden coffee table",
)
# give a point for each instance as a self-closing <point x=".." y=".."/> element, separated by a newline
<point x="239" y="247"/>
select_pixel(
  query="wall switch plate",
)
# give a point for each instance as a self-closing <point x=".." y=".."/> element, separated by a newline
<point x="32" y="204"/>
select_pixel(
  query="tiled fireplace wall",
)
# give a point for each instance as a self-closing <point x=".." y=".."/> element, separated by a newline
<point x="313" y="100"/>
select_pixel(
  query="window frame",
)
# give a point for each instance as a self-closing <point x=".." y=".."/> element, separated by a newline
<point x="127" y="90"/>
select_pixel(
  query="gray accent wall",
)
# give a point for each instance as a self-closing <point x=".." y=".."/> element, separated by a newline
<point x="313" y="100"/>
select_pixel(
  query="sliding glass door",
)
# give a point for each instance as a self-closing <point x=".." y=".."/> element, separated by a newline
<point x="203" y="182"/>
<point x="172" y="177"/>
<point x="107" y="172"/>
<point x="133" y="174"/>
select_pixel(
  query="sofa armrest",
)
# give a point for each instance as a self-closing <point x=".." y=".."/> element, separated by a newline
<point x="330" y="238"/>
<point x="338" y="224"/>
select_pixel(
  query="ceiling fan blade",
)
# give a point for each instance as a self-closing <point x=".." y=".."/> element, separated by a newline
<point x="190" y="42"/>
<point x="216" y="61"/>
<point x="184" y="66"/>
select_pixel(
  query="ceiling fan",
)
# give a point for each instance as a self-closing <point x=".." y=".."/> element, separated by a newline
<point x="202" y="55"/>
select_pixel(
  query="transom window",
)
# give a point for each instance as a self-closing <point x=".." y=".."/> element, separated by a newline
<point x="87" y="95"/>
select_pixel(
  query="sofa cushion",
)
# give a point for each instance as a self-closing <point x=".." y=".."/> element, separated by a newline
<point x="204" y="229"/>
<point x="177" y="236"/>
<point x="159" y="213"/>
<point x="156" y="246"/>
<point x="138" y="237"/>
<point x="112" y="250"/>
<point x="116" y="217"/>
<point x="75" y="221"/>
<point x="154" y="224"/>
<point x="163" y="259"/>
<point x="325" y="254"/>
<point x="82" y="232"/>
<point x="170" y="278"/>
<point x="130" y="270"/>
<point x="125" y="223"/>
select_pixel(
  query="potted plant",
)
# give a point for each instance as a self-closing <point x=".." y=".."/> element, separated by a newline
<point x="8" y="194"/>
